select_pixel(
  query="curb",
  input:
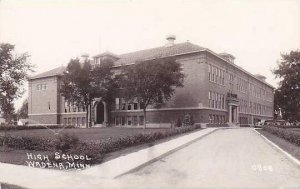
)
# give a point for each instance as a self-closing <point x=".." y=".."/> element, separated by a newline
<point x="163" y="155"/>
<point x="292" y="158"/>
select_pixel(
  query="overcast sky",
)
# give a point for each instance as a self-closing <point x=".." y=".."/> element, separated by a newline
<point x="52" y="32"/>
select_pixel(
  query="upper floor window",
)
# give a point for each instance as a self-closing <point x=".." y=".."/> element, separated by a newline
<point x="117" y="103"/>
<point x="41" y="86"/>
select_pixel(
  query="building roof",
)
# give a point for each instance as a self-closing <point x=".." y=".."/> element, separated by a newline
<point x="158" y="52"/>
<point x="164" y="51"/>
<point x="180" y="48"/>
<point x="56" y="71"/>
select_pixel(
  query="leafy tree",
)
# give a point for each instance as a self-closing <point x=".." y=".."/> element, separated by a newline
<point x="23" y="111"/>
<point x="13" y="72"/>
<point x="287" y="96"/>
<point x="83" y="82"/>
<point x="151" y="82"/>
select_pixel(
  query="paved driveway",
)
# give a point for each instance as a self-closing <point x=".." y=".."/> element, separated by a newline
<point x="228" y="158"/>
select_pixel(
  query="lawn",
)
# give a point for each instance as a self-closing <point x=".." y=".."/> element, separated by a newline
<point x="293" y="149"/>
<point x="8" y="186"/>
<point x="84" y="134"/>
<point x="15" y="156"/>
<point x="295" y="129"/>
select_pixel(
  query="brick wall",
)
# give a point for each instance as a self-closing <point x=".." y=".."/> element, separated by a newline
<point x="43" y="100"/>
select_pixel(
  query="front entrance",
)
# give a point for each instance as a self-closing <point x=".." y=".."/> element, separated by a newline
<point x="100" y="113"/>
<point x="233" y="114"/>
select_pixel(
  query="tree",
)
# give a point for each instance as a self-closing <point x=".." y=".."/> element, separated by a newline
<point x="14" y="69"/>
<point x="287" y="98"/>
<point x="151" y="82"/>
<point x="23" y="111"/>
<point x="82" y="83"/>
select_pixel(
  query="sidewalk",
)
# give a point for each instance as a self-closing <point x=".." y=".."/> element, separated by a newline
<point x="100" y="175"/>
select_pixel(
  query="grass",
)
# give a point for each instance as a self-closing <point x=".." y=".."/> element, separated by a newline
<point x="293" y="149"/>
<point x="90" y="134"/>
<point x="19" y="157"/>
<point x="8" y="186"/>
<point x="295" y="129"/>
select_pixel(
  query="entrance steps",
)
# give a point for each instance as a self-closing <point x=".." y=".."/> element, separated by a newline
<point x="233" y="125"/>
<point x="99" y="125"/>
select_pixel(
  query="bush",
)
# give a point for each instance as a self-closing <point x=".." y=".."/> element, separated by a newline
<point x="287" y="134"/>
<point x="178" y="122"/>
<point x="69" y="144"/>
<point x="26" y="127"/>
<point x="26" y="143"/>
<point x="65" y="142"/>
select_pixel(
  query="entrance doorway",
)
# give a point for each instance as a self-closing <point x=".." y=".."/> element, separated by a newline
<point x="233" y="114"/>
<point x="100" y="113"/>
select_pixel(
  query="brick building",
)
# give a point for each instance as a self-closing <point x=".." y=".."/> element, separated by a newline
<point x="216" y="91"/>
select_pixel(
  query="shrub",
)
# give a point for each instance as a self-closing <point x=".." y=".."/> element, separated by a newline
<point x="26" y="143"/>
<point x="70" y="144"/>
<point x="287" y="134"/>
<point x="65" y="142"/>
<point x="26" y="127"/>
<point x="178" y="122"/>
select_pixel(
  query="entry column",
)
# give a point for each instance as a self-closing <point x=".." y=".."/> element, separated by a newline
<point x="230" y="114"/>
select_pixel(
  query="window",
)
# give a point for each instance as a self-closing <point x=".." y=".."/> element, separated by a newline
<point x="213" y="74"/>
<point x="129" y="120"/>
<point x="209" y="73"/>
<point x="83" y="121"/>
<point x="66" y="105"/>
<point x="117" y="120"/>
<point x="141" y="120"/>
<point x="41" y="86"/>
<point x="117" y="103"/>
<point x="69" y="107"/>
<point x="65" y="121"/>
<point x="135" y="120"/>
<point x="74" y="121"/>
<point x="49" y="107"/>
<point x="128" y="106"/>
<point x="74" y="107"/>
<point x="135" y="106"/>
<point x="78" y="121"/>
<point x="223" y="101"/>
<point x="69" y="121"/>
<point x="123" y="120"/>
<point x="213" y="99"/>
<point x="209" y="99"/>
<point x="123" y="104"/>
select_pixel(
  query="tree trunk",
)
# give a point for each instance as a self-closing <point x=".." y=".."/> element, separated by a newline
<point x="87" y="116"/>
<point x="90" y="124"/>
<point x="144" y="111"/>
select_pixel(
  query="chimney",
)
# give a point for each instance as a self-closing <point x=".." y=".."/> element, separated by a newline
<point x="228" y="57"/>
<point x="170" y="40"/>
<point x="260" y="77"/>
<point x="84" y="57"/>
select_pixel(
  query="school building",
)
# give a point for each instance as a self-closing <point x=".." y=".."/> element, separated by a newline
<point x="216" y="91"/>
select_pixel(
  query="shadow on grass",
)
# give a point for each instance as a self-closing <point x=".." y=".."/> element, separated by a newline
<point x="8" y="186"/>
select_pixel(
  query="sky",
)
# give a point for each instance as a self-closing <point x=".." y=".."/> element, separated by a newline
<point x="256" y="32"/>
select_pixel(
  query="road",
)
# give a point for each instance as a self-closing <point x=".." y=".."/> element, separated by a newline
<point x="227" y="158"/>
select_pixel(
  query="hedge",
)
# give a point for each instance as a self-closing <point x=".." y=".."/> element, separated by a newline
<point x="25" y="127"/>
<point x="26" y="143"/>
<point x="287" y="134"/>
<point x="94" y="149"/>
